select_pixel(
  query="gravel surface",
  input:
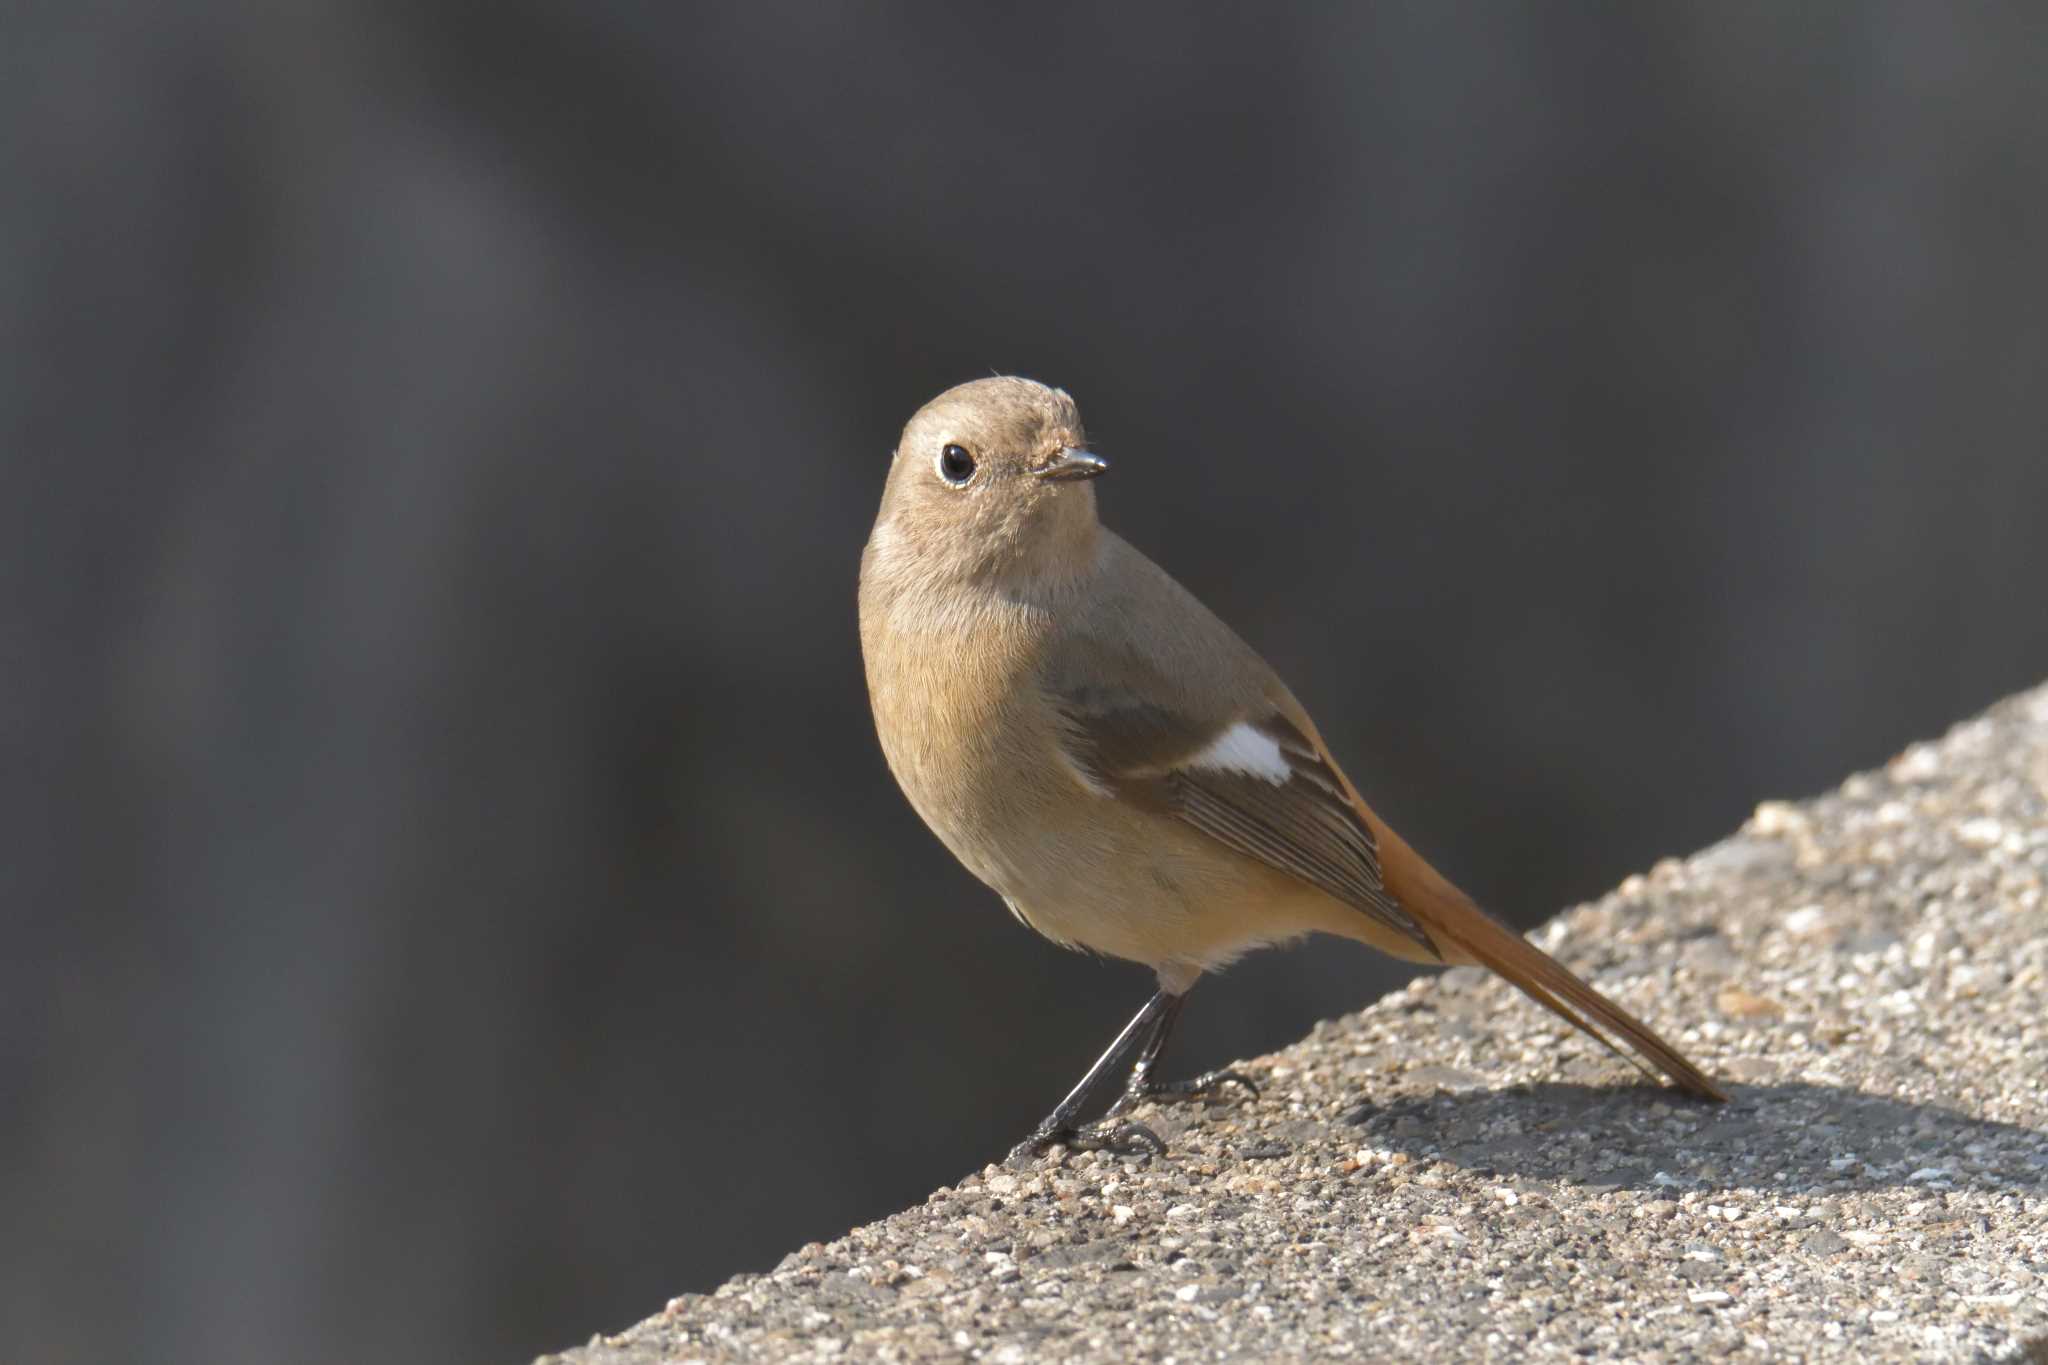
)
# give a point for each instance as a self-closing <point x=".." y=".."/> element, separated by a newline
<point x="1451" y="1175"/>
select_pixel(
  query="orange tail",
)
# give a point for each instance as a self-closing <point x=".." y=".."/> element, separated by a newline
<point x="1459" y="925"/>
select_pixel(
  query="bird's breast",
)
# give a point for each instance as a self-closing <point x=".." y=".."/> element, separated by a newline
<point x="963" y="727"/>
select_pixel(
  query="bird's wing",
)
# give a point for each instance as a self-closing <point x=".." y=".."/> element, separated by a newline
<point x="1252" y="781"/>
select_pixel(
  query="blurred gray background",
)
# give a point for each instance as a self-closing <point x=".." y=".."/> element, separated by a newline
<point x="453" y="898"/>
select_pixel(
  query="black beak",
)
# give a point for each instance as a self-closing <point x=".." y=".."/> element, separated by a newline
<point x="1072" y="463"/>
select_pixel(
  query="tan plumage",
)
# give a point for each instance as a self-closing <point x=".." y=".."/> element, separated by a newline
<point x="1100" y="748"/>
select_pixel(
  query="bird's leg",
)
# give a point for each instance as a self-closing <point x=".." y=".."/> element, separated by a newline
<point x="1132" y="1138"/>
<point x="1143" y="1085"/>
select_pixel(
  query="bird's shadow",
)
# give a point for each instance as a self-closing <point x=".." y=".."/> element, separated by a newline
<point x="1795" y="1137"/>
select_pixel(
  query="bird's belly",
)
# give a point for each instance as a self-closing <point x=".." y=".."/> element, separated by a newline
<point x="1158" y="895"/>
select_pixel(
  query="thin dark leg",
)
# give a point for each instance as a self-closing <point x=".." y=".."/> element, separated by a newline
<point x="1060" y="1125"/>
<point x="1148" y="1056"/>
<point x="1143" y="1086"/>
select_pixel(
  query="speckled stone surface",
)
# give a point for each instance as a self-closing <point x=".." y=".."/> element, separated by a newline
<point x="1452" y="1175"/>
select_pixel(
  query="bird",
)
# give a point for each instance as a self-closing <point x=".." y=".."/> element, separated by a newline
<point x="1118" y="765"/>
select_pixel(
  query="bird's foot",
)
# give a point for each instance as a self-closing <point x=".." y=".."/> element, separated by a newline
<point x="1209" y="1085"/>
<point x="1123" y="1139"/>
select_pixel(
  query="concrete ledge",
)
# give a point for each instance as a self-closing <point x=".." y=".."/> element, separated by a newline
<point x="1451" y="1175"/>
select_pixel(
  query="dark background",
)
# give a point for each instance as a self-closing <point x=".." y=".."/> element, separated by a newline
<point x="453" y="899"/>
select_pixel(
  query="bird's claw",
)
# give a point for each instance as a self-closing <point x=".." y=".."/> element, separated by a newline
<point x="1122" y="1139"/>
<point x="1209" y="1085"/>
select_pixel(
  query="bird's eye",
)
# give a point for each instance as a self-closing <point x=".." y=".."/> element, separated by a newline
<point x="956" y="466"/>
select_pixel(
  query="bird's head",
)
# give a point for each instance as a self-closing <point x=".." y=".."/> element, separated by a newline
<point x="994" y="480"/>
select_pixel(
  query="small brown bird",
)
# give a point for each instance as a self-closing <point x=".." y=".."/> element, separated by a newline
<point x="1127" y="774"/>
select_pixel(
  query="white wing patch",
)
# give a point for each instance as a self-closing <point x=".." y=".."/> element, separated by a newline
<point x="1246" y="751"/>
